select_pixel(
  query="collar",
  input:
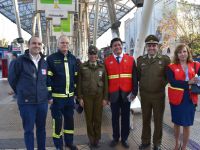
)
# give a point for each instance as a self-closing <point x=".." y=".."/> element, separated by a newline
<point x="28" y="56"/>
<point x="121" y="55"/>
<point x="64" y="54"/>
<point x="152" y="56"/>
<point x="91" y="63"/>
<point x="37" y="57"/>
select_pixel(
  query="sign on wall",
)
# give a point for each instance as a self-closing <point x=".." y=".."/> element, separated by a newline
<point x="65" y="27"/>
<point x="56" y="5"/>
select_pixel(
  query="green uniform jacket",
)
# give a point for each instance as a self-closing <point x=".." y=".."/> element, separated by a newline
<point x="151" y="74"/>
<point x="92" y="80"/>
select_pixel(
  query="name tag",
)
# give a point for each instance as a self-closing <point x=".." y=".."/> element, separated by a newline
<point x="100" y="73"/>
<point x="44" y="71"/>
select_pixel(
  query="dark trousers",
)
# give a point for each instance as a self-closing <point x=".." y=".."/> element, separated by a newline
<point x="123" y="108"/>
<point x="34" y="114"/>
<point x="60" y="109"/>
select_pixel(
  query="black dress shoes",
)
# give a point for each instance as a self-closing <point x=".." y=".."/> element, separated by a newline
<point x="156" y="148"/>
<point x="96" y="144"/>
<point x="125" y="144"/>
<point x="143" y="146"/>
<point x="113" y="143"/>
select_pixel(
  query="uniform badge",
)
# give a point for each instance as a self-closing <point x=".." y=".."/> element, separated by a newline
<point x="125" y="60"/>
<point x="44" y="71"/>
<point x="100" y="73"/>
<point x="111" y="62"/>
<point x="177" y="70"/>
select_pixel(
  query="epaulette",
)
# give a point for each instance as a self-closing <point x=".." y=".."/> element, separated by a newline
<point x="145" y="56"/>
<point x="142" y="57"/>
<point x="100" y="64"/>
<point x="85" y="63"/>
<point x="166" y="56"/>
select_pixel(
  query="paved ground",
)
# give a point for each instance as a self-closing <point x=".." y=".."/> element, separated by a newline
<point x="11" y="135"/>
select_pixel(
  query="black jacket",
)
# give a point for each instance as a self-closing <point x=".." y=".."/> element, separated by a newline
<point x="58" y="79"/>
<point x="28" y="82"/>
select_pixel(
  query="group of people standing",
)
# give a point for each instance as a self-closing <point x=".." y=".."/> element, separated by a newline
<point x="59" y="80"/>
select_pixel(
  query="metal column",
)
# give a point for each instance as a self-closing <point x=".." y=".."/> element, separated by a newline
<point x="34" y="25"/>
<point x="96" y="22"/>
<point x="86" y="31"/>
<point x="83" y="31"/>
<point x="15" y="5"/>
<point x="48" y="52"/>
<point x="112" y="14"/>
<point x="144" y="26"/>
<point x="80" y="31"/>
<point x="39" y="25"/>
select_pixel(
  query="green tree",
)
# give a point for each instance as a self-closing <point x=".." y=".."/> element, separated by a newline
<point x="183" y="25"/>
<point x="193" y="41"/>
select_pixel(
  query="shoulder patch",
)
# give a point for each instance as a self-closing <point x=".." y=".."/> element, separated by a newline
<point x="166" y="56"/>
<point x="139" y="57"/>
<point x="85" y="64"/>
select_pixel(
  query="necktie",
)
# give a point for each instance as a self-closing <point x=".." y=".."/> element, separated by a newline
<point x="117" y="58"/>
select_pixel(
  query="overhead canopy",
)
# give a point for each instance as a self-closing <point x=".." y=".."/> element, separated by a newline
<point x="27" y="10"/>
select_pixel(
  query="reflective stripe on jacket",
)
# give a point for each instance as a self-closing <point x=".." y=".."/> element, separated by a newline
<point x="120" y="74"/>
<point x="176" y="94"/>
<point x="62" y="74"/>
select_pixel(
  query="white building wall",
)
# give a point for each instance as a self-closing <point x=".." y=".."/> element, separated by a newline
<point x="160" y="8"/>
<point x="131" y="28"/>
<point x="157" y="15"/>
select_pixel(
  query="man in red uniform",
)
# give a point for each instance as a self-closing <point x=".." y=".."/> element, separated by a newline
<point x="122" y="80"/>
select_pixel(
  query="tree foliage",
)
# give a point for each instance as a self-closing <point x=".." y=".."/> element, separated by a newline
<point x="182" y="25"/>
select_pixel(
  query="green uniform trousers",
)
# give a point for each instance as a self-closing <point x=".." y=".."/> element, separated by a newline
<point x="157" y="105"/>
<point x="93" y="114"/>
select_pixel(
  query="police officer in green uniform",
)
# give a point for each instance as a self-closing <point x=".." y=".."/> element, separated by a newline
<point x="92" y="94"/>
<point x="152" y="82"/>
